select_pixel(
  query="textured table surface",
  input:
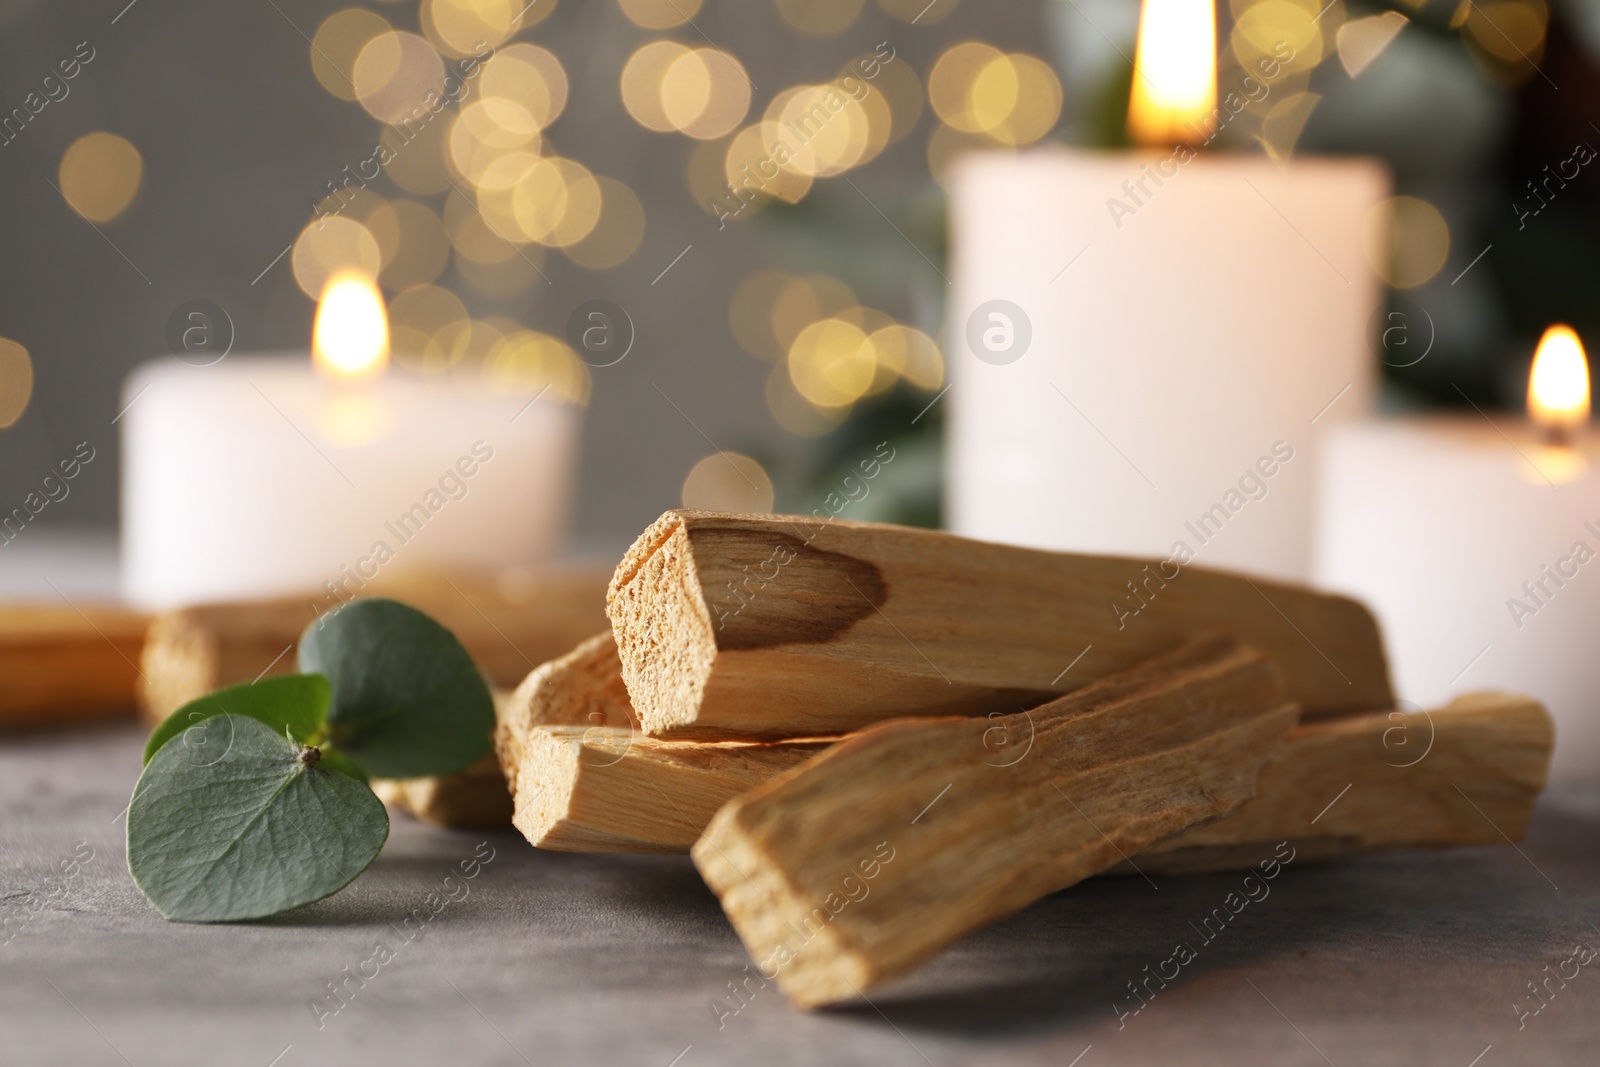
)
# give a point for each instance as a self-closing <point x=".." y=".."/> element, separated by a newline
<point x="547" y="959"/>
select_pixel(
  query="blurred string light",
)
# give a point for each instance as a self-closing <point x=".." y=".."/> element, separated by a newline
<point x="394" y="75"/>
<point x="830" y="351"/>
<point x="337" y="43"/>
<point x="330" y="246"/>
<point x="1362" y="40"/>
<point x="99" y="175"/>
<point x="1407" y="241"/>
<point x="16" y="382"/>
<point x="1008" y="99"/>
<point x="466" y="27"/>
<point x="668" y="87"/>
<point x="1262" y="27"/>
<point x="728" y="481"/>
<point x="1505" y="37"/>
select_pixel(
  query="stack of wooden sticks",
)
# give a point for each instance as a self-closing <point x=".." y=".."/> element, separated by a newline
<point x="738" y="709"/>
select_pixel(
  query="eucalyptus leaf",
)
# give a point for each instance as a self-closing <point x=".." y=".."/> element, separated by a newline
<point x="407" y="699"/>
<point x="254" y="828"/>
<point x="296" y="702"/>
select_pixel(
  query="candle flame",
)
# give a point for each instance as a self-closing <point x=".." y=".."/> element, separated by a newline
<point x="351" y="337"/>
<point x="1558" y="385"/>
<point x="1174" y="73"/>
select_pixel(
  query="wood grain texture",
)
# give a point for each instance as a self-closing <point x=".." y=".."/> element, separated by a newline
<point x="582" y="688"/>
<point x="897" y="841"/>
<point x="760" y="626"/>
<point x="601" y="789"/>
<point x="510" y="623"/>
<point x="582" y="779"/>
<point x="475" y="797"/>
<point x="1468" y="773"/>
<point x="61" y="663"/>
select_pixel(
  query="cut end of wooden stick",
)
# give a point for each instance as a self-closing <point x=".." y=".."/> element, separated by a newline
<point x="602" y="789"/>
<point x="582" y="688"/>
<point x="744" y="626"/>
<point x="662" y="626"/>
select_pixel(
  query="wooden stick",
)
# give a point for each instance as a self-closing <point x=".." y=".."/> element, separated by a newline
<point x="1496" y="746"/>
<point x="510" y="622"/>
<point x="861" y="863"/>
<point x="582" y="688"/>
<point x="583" y="780"/>
<point x="1466" y="774"/>
<point x="475" y="797"/>
<point x="67" y="663"/>
<point x="758" y="626"/>
<point x="601" y="789"/>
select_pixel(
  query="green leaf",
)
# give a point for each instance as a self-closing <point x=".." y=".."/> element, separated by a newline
<point x="407" y="699"/>
<point x="296" y="702"/>
<point x="251" y="830"/>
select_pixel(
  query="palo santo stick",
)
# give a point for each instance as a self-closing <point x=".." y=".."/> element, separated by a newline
<point x="510" y="623"/>
<point x="1465" y="774"/>
<point x="66" y="663"/>
<point x="1495" y="746"/>
<point x="759" y="626"/>
<point x="601" y="789"/>
<point x="582" y="688"/>
<point x="473" y="797"/>
<point x="583" y="781"/>
<point x="940" y="834"/>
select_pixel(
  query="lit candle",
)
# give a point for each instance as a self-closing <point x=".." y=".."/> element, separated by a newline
<point x="1475" y="539"/>
<point x="266" y="475"/>
<point x="1154" y="340"/>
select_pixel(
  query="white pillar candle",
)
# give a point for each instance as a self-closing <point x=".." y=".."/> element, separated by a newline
<point x="260" y="476"/>
<point x="1176" y="333"/>
<point x="1476" y="543"/>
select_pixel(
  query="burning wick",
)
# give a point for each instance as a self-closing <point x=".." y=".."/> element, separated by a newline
<point x="1558" y="386"/>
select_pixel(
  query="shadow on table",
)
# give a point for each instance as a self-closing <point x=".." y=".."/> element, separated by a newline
<point x="1074" y="957"/>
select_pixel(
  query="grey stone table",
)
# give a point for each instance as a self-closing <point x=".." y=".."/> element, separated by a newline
<point x="548" y="959"/>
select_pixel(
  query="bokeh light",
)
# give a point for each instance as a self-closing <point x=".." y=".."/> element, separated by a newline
<point x="530" y="77"/>
<point x="1362" y="40"/>
<point x="728" y="481"/>
<point x="99" y="175"/>
<point x="618" y="232"/>
<point x="1407" y="241"/>
<point x="805" y="300"/>
<point x="527" y="363"/>
<point x="831" y="363"/>
<point x="976" y="89"/>
<point x="16" y="382"/>
<point x="331" y="245"/>
<point x="337" y="43"/>
<point x="642" y="78"/>
<point x="892" y="87"/>
<point x="468" y="27"/>
<point x="415" y="316"/>
<point x="412" y="241"/>
<point x="754" y="167"/>
<point x="395" y="75"/>
<point x="1263" y="29"/>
